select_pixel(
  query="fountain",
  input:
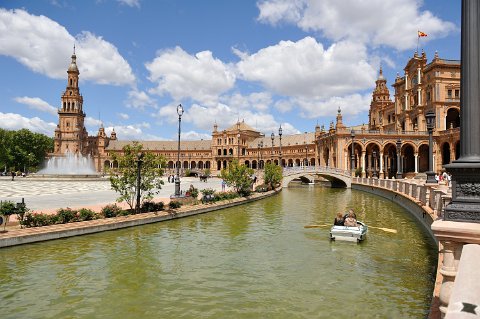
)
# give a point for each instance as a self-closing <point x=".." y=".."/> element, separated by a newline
<point x="69" y="166"/>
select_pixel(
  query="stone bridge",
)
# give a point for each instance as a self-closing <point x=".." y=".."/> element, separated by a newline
<point x="338" y="177"/>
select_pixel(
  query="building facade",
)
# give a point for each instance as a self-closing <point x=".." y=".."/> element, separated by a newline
<point x="395" y="126"/>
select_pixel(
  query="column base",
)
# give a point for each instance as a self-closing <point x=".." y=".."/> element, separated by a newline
<point x="465" y="204"/>
<point x="431" y="178"/>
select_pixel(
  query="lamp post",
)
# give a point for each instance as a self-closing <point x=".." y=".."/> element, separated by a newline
<point x="280" y="152"/>
<point x="177" y="177"/>
<point x="272" y="136"/>
<point x="238" y="148"/>
<point x="374" y="162"/>
<point x="352" y="157"/>
<point x="139" y="161"/>
<point x="430" y="118"/>
<point x="399" y="160"/>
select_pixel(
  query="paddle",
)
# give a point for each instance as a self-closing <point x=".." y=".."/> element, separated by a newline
<point x="326" y="225"/>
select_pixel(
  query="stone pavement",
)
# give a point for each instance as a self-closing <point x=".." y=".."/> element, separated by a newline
<point x="47" y="196"/>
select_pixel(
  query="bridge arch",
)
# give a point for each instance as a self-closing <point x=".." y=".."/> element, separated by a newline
<point x="338" y="177"/>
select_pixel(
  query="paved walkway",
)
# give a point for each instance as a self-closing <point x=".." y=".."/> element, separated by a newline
<point x="47" y="196"/>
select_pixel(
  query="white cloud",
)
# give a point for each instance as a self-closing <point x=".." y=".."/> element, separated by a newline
<point x="350" y="105"/>
<point x="123" y="116"/>
<point x="45" y="46"/>
<point x="195" y="136"/>
<point x="12" y="121"/>
<point x="305" y="69"/>
<point x="225" y="116"/>
<point x="90" y="121"/>
<point x="132" y="132"/>
<point x="139" y="100"/>
<point x="130" y="3"/>
<point x="379" y="22"/>
<point x="257" y="100"/>
<point x="37" y="104"/>
<point x="200" y="77"/>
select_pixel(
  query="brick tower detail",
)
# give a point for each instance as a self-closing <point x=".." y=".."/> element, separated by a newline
<point x="70" y="134"/>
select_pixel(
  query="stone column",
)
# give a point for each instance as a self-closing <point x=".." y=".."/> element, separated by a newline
<point x="416" y="162"/>
<point x="364" y="154"/>
<point x="451" y="256"/>
<point x="380" y="173"/>
<point x="465" y="205"/>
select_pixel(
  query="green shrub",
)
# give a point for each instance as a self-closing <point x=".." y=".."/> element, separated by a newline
<point x="110" y="211"/>
<point x="86" y="214"/>
<point x="207" y="191"/>
<point x="8" y="208"/>
<point x="149" y="206"/>
<point x="174" y="204"/>
<point x="225" y="195"/>
<point x="261" y="188"/>
<point x="66" y="215"/>
<point x="39" y="219"/>
<point x="126" y="212"/>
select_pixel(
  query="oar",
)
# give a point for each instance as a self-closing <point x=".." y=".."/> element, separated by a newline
<point x="381" y="228"/>
<point x="384" y="229"/>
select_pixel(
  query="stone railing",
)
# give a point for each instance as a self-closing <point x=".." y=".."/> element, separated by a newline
<point x="431" y="199"/>
<point x="315" y="169"/>
<point x="457" y="285"/>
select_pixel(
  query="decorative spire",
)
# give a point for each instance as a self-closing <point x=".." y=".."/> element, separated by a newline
<point x="73" y="65"/>
<point x="436" y="55"/>
<point x="380" y="73"/>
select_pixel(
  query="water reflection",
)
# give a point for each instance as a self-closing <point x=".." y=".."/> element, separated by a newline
<point x="252" y="261"/>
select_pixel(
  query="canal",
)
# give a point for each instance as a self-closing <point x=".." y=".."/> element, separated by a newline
<point x="250" y="261"/>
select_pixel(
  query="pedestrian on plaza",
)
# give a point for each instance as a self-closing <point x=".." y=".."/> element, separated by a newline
<point x="223" y="185"/>
<point x="13" y="175"/>
<point x="449" y="179"/>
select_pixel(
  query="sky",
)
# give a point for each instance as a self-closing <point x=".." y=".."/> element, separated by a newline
<point x="269" y="62"/>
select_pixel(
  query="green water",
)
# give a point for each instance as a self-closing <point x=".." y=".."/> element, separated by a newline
<point x="251" y="261"/>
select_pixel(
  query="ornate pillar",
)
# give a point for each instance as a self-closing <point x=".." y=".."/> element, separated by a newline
<point x="364" y="154"/>
<point x="380" y="173"/>
<point x="416" y="162"/>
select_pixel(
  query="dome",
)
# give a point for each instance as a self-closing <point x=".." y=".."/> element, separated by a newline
<point x="73" y="65"/>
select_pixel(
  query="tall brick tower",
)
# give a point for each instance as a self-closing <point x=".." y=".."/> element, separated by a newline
<point x="70" y="134"/>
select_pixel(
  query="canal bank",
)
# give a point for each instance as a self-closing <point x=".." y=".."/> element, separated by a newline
<point x="37" y="234"/>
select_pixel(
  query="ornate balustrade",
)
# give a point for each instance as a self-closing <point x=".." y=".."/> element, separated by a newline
<point x="457" y="290"/>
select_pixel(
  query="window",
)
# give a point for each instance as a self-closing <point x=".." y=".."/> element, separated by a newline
<point x="457" y="94"/>
<point x="449" y="94"/>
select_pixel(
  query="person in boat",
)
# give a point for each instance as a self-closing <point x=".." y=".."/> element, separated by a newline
<point x="350" y="221"/>
<point x="339" y="220"/>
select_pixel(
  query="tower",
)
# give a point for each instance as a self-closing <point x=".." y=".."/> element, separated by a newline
<point x="70" y="134"/>
<point x="380" y="99"/>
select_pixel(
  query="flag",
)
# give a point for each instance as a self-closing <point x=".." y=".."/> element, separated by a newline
<point x="421" y="34"/>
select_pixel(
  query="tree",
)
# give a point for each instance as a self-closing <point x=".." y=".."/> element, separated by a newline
<point x="124" y="179"/>
<point x="273" y="174"/>
<point x="23" y="149"/>
<point x="238" y="177"/>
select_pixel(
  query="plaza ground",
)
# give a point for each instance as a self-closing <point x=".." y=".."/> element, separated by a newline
<point x="47" y="196"/>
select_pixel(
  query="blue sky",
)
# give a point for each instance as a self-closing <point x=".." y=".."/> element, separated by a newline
<point x="269" y="62"/>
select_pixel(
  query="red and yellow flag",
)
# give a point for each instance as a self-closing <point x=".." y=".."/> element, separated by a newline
<point x="421" y="34"/>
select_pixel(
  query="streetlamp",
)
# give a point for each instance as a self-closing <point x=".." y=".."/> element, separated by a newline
<point x="272" y="136"/>
<point x="399" y="160"/>
<point x="430" y="118"/>
<point x="139" y="161"/>
<point x="374" y="162"/>
<point x="352" y="157"/>
<point x="280" y="152"/>
<point x="177" y="177"/>
<point x="238" y="148"/>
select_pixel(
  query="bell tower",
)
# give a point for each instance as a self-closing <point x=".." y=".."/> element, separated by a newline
<point x="380" y="99"/>
<point x="70" y="134"/>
